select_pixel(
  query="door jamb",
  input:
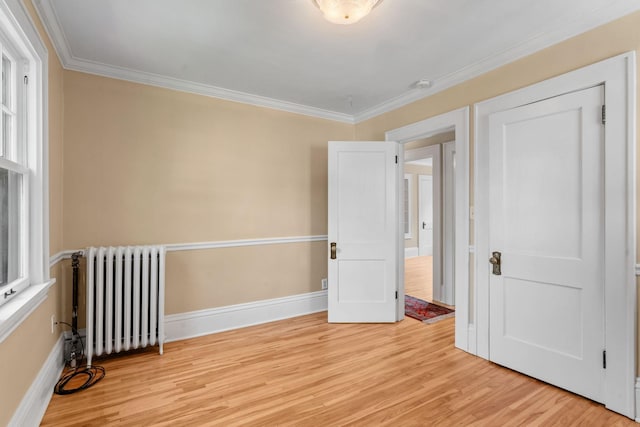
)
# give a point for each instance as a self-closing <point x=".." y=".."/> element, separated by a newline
<point x="618" y="75"/>
<point x="448" y="221"/>
<point x="457" y="120"/>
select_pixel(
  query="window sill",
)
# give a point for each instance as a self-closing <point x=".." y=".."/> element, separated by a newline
<point x="13" y="313"/>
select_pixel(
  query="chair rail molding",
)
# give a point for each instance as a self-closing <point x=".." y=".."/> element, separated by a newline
<point x="194" y="246"/>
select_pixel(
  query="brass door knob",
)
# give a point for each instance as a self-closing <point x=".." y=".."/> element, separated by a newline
<point x="496" y="261"/>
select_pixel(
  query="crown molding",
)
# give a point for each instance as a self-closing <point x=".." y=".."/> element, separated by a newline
<point x="52" y="25"/>
<point x="151" y="79"/>
<point x="535" y="44"/>
<point x="51" y="22"/>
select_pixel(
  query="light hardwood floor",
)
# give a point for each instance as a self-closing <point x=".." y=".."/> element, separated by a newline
<point x="306" y="372"/>
<point x="418" y="277"/>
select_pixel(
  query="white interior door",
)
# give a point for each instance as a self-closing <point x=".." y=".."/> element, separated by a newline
<point x="425" y="215"/>
<point x="363" y="231"/>
<point x="546" y="219"/>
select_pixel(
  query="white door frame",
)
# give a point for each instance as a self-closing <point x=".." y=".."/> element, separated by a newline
<point x="618" y="75"/>
<point x="448" y="221"/>
<point x="458" y="121"/>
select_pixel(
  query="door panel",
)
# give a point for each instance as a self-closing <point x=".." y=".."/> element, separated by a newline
<point x="522" y="302"/>
<point x="363" y="223"/>
<point x="366" y="280"/>
<point x="361" y="176"/>
<point x="546" y="218"/>
<point x="553" y="228"/>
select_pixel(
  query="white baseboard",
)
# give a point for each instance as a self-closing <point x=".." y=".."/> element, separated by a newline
<point x="411" y="252"/>
<point x="35" y="401"/>
<point x="203" y="322"/>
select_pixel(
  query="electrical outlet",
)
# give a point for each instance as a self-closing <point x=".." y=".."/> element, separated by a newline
<point x="53" y="323"/>
<point x="325" y="284"/>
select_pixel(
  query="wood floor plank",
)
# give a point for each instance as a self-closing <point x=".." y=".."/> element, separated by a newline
<point x="307" y="372"/>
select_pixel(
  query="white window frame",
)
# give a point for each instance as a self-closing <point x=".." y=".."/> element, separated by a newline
<point x="14" y="160"/>
<point x="17" y="27"/>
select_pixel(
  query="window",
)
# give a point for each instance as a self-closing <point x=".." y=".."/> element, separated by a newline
<point x="24" y="227"/>
<point x="14" y="177"/>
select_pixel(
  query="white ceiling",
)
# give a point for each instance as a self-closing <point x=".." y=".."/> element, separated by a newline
<point x="283" y="54"/>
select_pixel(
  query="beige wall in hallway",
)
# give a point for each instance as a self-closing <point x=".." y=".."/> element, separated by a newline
<point x="415" y="171"/>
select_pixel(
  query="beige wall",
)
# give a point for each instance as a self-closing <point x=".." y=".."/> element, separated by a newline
<point x="198" y="280"/>
<point x="24" y="352"/>
<point x="145" y="165"/>
<point x="151" y="165"/>
<point x="27" y="348"/>
<point x="615" y="38"/>
<point x="415" y="171"/>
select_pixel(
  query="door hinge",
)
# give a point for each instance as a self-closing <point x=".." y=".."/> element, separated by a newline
<point x="396" y="160"/>
<point x="26" y="80"/>
<point x="604" y="359"/>
<point x="604" y="114"/>
<point x="396" y="294"/>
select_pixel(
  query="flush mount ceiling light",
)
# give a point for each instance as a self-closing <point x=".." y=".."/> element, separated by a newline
<point x="345" y="11"/>
<point x="423" y="84"/>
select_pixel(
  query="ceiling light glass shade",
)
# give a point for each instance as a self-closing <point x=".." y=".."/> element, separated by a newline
<point x="345" y="11"/>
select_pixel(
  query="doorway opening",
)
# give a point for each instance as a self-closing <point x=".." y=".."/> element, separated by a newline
<point x="428" y="219"/>
<point x="458" y="122"/>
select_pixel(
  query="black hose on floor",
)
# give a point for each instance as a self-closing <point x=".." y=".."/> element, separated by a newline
<point x="92" y="374"/>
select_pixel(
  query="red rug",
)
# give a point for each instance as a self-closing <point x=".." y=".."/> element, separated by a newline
<point x="427" y="312"/>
